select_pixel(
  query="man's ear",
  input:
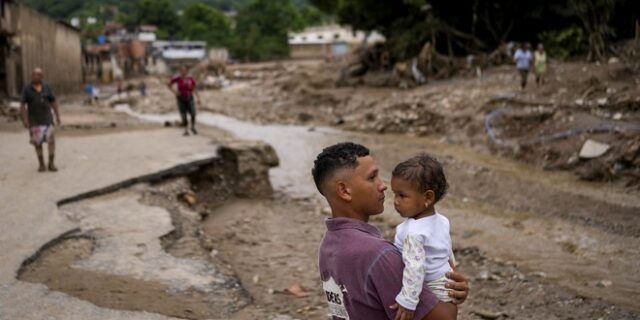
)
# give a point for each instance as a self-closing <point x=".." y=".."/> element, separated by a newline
<point x="429" y="198"/>
<point x="343" y="191"/>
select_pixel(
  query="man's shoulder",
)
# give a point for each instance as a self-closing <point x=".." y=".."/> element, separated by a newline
<point x="357" y="244"/>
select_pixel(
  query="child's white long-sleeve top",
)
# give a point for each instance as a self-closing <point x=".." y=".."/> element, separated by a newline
<point x="426" y="248"/>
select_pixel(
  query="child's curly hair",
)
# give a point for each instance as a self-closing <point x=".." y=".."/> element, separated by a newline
<point x="425" y="172"/>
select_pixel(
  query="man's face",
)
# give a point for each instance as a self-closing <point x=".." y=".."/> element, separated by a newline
<point x="367" y="189"/>
<point x="184" y="71"/>
<point x="36" y="76"/>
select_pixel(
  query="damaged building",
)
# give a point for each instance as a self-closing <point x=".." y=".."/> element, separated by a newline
<point x="28" y="40"/>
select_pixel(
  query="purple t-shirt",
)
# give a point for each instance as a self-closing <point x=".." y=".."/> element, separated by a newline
<point x="362" y="272"/>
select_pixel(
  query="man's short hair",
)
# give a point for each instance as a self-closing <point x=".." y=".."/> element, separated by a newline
<point x="336" y="157"/>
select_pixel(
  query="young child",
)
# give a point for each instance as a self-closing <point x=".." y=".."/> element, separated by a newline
<point x="418" y="184"/>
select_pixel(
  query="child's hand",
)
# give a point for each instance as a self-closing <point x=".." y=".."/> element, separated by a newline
<point x="402" y="314"/>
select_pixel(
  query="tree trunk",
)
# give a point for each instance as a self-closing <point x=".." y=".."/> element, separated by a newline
<point x="595" y="16"/>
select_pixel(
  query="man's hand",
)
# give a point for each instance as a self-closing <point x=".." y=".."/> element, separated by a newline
<point x="25" y="124"/>
<point x="459" y="287"/>
<point x="59" y="123"/>
<point x="403" y="313"/>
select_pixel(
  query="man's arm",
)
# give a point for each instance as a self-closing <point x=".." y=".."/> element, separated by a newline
<point x="56" y="111"/>
<point x="23" y="113"/>
<point x="443" y="311"/>
<point x="385" y="281"/>
<point x="195" y="91"/>
<point x="170" y="85"/>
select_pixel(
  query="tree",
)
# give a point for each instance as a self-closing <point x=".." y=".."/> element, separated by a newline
<point x="156" y="12"/>
<point x="262" y="29"/>
<point x="202" y="22"/>
<point x="595" y="16"/>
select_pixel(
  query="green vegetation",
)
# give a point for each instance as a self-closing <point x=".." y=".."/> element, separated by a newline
<point x="262" y="29"/>
<point x="458" y="27"/>
<point x="260" y="32"/>
<point x="470" y="26"/>
<point x="202" y="22"/>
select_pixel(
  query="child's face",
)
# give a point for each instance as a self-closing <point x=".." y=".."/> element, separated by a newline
<point x="408" y="200"/>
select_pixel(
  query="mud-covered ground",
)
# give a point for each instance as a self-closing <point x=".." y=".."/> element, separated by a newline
<point x="536" y="244"/>
<point x="545" y="126"/>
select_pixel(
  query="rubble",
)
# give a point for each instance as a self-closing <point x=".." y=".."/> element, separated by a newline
<point x="593" y="149"/>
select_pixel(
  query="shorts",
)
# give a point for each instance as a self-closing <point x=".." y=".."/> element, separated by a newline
<point x="186" y="105"/>
<point x="41" y="134"/>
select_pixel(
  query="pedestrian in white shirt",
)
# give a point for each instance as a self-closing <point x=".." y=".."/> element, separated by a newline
<point x="523" y="58"/>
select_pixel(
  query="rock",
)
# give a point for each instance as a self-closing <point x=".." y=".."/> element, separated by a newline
<point x="326" y="211"/>
<point x="602" y="101"/>
<point x="593" y="149"/>
<point x="604" y="283"/>
<point x="168" y="124"/>
<point x="338" y="121"/>
<point x="573" y="160"/>
<point x="614" y="60"/>
<point x="538" y="274"/>
<point x="281" y="317"/>
<point x="484" y="314"/>
<point x="617" y="116"/>
<point x="483" y="275"/>
<point x="579" y="102"/>
<point x="304" y="117"/>
<point x="256" y="279"/>
<point x="190" y="198"/>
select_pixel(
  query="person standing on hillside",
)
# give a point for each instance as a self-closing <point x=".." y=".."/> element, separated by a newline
<point x="186" y="89"/>
<point x="37" y="110"/>
<point x="540" y="64"/>
<point x="523" y="58"/>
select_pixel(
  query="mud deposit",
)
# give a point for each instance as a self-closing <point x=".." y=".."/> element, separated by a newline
<point x="142" y="248"/>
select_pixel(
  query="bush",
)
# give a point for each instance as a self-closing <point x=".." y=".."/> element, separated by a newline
<point x="564" y="43"/>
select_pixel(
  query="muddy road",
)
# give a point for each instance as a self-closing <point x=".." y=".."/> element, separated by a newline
<point x="570" y="240"/>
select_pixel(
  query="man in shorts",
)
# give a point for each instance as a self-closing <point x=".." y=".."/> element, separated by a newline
<point x="37" y="110"/>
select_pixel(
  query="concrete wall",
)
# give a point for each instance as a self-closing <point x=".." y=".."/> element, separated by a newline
<point x="309" y="51"/>
<point x="51" y="45"/>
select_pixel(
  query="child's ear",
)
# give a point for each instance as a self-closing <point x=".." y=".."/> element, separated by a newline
<point x="429" y="198"/>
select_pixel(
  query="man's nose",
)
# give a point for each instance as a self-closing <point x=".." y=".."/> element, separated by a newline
<point x="383" y="187"/>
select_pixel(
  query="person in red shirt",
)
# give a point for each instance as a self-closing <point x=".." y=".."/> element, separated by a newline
<point x="185" y="91"/>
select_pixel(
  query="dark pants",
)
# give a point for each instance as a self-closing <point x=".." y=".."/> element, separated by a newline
<point x="187" y="105"/>
<point x="524" y="73"/>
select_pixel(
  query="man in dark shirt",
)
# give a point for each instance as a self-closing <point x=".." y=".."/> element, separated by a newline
<point x="38" y="102"/>
<point x="186" y="88"/>
<point x="361" y="272"/>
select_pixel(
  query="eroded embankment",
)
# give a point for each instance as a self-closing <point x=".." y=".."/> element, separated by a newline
<point x="139" y="244"/>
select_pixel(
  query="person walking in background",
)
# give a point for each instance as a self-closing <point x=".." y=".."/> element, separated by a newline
<point x="38" y="102"/>
<point x="540" y="64"/>
<point x="143" y="88"/>
<point x="185" y="91"/>
<point x="523" y="59"/>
